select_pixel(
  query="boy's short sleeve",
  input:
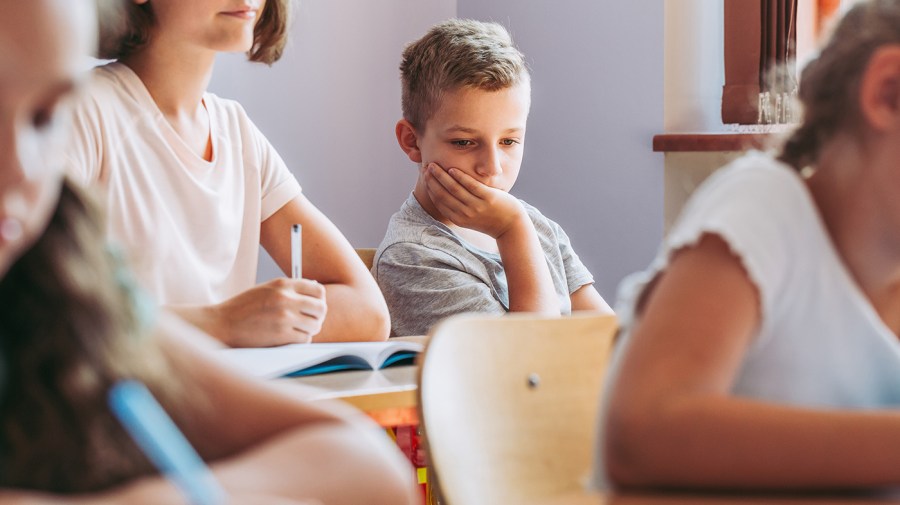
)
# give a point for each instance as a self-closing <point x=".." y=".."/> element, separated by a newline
<point x="423" y="285"/>
<point x="568" y="272"/>
<point x="577" y="275"/>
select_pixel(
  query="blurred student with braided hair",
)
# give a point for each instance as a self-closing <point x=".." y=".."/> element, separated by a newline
<point x="760" y="349"/>
<point x="72" y="325"/>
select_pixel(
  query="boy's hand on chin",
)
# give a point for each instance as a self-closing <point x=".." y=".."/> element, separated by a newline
<point x="471" y="204"/>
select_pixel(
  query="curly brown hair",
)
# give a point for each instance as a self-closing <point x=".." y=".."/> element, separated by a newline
<point x="70" y="328"/>
<point x="125" y="29"/>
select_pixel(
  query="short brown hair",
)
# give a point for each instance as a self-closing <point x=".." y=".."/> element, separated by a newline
<point x="453" y="54"/>
<point x="125" y="29"/>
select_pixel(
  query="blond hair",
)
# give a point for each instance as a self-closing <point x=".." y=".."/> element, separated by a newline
<point x="125" y="28"/>
<point x="454" y="54"/>
<point x="829" y="84"/>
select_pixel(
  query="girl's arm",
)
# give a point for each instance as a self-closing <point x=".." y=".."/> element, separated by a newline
<point x="263" y="439"/>
<point x="155" y="491"/>
<point x="356" y="308"/>
<point x="671" y="422"/>
<point x="587" y="298"/>
<point x="263" y="443"/>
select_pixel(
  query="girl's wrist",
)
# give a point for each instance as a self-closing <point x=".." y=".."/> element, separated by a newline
<point x="146" y="491"/>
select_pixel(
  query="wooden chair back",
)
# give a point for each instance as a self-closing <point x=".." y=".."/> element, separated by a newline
<point x="509" y="404"/>
<point x="367" y="255"/>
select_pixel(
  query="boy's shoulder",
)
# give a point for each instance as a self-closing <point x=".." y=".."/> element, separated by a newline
<point x="412" y="225"/>
<point x="542" y="224"/>
<point x="533" y="212"/>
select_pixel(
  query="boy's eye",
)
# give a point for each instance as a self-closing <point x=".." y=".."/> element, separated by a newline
<point x="509" y="142"/>
<point x="462" y="143"/>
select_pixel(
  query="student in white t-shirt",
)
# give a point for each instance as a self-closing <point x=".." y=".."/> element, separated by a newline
<point x="193" y="188"/>
<point x="760" y="349"/>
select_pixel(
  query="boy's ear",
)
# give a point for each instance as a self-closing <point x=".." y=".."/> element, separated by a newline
<point x="408" y="140"/>
<point x="879" y="90"/>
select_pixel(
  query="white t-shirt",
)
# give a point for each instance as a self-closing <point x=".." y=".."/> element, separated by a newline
<point x="821" y="344"/>
<point x="190" y="227"/>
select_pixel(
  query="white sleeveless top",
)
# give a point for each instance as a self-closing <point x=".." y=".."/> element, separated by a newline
<point x="190" y="227"/>
<point x="821" y="344"/>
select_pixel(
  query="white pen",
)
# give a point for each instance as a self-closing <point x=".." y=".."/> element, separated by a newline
<point x="296" y="252"/>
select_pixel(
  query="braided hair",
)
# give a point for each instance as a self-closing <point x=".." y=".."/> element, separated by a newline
<point x="830" y="83"/>
<point x="70" y="327"/>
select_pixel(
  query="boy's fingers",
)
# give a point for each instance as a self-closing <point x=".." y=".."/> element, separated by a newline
<point x="439" y="192"/>
<point x="467" y="181"/>
<point x="453" y="186"/>
<point x="446" y="203"/>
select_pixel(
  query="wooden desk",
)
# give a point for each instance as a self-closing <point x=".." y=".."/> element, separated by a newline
<point x="388" y="396"/>
<point x="694" y="499"/>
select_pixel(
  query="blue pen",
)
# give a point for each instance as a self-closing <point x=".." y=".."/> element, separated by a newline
<point x="162" y="442"/>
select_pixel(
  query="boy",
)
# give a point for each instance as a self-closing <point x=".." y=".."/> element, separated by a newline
<point x="461" y="242"/>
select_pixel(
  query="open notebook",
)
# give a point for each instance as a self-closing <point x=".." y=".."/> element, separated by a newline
<point x="297" y="360"/>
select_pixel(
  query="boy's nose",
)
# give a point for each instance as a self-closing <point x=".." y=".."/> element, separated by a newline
<point x="489" y="165"/>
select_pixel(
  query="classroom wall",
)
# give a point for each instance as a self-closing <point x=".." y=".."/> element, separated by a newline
<point x="597" y="72"/>
<point x="330" y="105"/>
<point x="694" y="77"/>
<point x="694" y="65"/>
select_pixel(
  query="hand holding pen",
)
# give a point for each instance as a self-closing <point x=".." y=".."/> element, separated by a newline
<point x="280" y="311"/>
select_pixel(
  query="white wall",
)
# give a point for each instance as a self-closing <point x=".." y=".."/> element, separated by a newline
<point x="597" y="72"/>
<point x="330" y="104"/>
<point x="694" y="65"/>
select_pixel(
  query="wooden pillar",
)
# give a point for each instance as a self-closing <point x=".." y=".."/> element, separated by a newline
<point x="743" y="29"/>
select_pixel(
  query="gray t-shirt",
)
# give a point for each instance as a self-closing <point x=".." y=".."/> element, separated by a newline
<point x="427" y="272"/>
